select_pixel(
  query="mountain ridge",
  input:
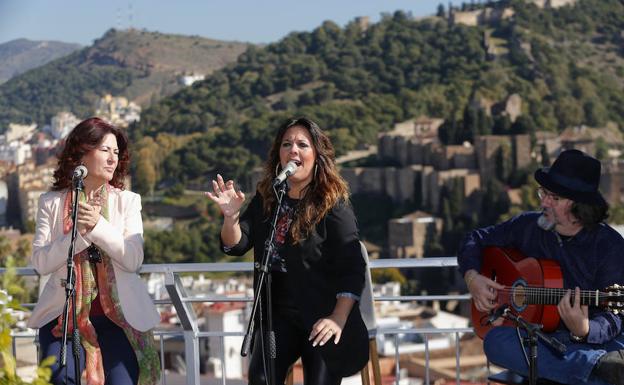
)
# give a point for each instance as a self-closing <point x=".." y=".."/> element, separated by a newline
<point x="140" y="65"/>
<point x="20" y="55"/>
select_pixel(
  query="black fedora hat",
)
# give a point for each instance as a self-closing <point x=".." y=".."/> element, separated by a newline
<point x="574" y="175"/>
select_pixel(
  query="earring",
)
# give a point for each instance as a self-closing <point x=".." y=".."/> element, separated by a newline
<point x="315" y="169"/>
<point x="277" y="169"/>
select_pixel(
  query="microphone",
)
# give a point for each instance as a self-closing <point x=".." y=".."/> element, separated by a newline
<point x="80" y="172"/>
<point x="496" y="314"/>
<point x="290" y="169"/>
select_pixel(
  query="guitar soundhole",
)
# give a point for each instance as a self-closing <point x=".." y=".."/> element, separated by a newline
<point x="519" y="295"/>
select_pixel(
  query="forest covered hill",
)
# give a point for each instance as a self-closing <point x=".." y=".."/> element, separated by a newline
<point x="566" y="64"/>
<point x="140" y="65"/>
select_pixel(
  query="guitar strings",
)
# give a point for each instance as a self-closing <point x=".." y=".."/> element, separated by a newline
<point x="555" y="294"/>
<point x="555" y="291"/>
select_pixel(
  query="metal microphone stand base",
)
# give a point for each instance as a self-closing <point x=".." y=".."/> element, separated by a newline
<point x="263" y="290"/>
<point x="70" y="292"/>
<point x="534" y="332"/>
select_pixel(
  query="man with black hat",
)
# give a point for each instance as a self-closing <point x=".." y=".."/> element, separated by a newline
<point x="569" y="230"/>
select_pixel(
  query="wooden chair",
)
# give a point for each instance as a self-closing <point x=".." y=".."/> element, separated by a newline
<point x="367" y="309"/>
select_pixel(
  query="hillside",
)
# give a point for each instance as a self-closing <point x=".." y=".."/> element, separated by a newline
<point x="20" y="55"/>
<point x="566" y="64"/>
<point x="140" y="65"/>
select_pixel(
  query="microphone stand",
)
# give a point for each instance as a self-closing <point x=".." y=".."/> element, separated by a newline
<point x="264" y="283"/>
<point x="70" y="291"/>
<point x="534" y="331"/>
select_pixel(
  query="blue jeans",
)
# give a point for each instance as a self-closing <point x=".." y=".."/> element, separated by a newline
<point x="503" y="348"/>
<point x="118" y="358"/>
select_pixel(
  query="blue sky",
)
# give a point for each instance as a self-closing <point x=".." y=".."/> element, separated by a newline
<point x="260" y="21"/>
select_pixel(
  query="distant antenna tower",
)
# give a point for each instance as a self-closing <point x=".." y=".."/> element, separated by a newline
<point x="118" y="20"/>
<point x="130" y="16"/>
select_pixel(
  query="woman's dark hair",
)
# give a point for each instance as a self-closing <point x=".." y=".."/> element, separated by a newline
<point x="325" y="190"/>
<point x="86" y="137"/>
<point x="590" y="215"/>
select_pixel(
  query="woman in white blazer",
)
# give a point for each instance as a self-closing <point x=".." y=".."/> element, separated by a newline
<point x="114" y="310"/>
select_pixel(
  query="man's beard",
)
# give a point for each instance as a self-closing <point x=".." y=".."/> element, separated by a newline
<point x="545" y="223"/>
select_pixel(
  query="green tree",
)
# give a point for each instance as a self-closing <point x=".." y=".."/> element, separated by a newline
<point x="11" y="282"/>
<point x="616" y="214"/>
<point x="8" y="373"/>
<point x="523" y="125"/>
<point x="440" y="11"/>
<point x="596" y="113"/>
<point x="569" y="112"/>
<point x="494" y="203"/>
<point x="391" y="274"/>
<point x="602" y="148"/>
<point x="545" y="156"/>
<point x="503" y="163"/>
<point x="502" y="125"/>
<point x="343" y="140"/>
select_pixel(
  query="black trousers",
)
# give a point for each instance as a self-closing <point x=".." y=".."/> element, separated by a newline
<point x="291" y="342"/>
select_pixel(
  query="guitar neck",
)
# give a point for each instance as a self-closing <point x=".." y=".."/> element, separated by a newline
<point x="552" y="296"/>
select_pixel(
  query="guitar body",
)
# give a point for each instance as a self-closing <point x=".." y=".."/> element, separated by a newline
<point x="511" y="268"/>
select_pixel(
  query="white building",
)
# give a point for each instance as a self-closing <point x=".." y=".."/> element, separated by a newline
<point x="21" y="132"/>
<point x="188" y="80"/>
<point x="226" y="317"/>
<point x="388" y="289"/>
<point x="413" y="342"/>
<point x="15" y="152"/>
<point x="29" y="200"/>
<point x="118" y="110"/>
<point x="62" y="123"/>
<point x="4" y="196"/>
<point x="33" y="181"/>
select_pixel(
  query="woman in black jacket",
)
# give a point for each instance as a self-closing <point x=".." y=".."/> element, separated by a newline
<point x="317" y="265"/>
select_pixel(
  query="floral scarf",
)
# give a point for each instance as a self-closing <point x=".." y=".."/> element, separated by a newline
<point x="92" y="280"/>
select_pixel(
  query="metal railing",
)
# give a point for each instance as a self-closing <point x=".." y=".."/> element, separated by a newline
<point x="191" y="334"/>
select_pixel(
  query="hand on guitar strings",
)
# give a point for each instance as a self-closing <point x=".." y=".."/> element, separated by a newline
<point x="574" y="315"/>
<point x="483" y="290"/>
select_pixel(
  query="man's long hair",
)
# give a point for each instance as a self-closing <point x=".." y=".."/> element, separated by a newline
<point x="325" y="190"/>
<point x="590" y="215"/>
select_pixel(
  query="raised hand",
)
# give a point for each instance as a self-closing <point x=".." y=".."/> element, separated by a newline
<point x="228" y="199"/>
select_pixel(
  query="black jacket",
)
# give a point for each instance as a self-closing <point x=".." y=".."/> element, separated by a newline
<point x="328" y="262"/>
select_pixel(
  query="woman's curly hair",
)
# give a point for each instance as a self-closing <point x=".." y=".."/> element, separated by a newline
<point x="86" y="137"/>
<point x="326" y="189"/>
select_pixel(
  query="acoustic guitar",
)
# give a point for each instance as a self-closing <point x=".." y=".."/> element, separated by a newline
<point x="533" y="288"/>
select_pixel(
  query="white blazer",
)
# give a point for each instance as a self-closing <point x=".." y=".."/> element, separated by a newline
<point x="121" y="237"/>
